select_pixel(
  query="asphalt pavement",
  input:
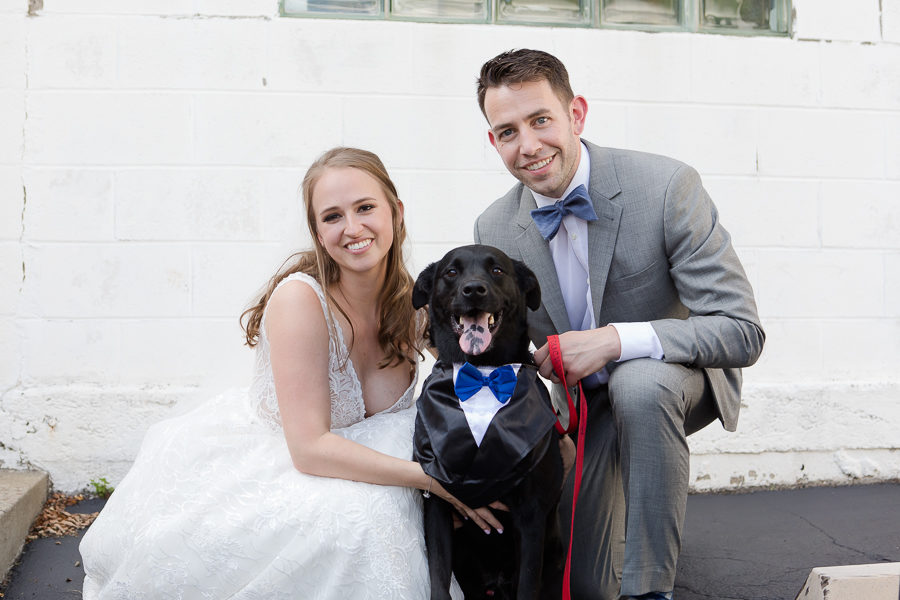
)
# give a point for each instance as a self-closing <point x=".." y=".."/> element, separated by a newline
<point x="737" y="546"/>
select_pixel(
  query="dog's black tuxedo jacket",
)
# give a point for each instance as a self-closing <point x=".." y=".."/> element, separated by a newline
<point x="513" y="444"/>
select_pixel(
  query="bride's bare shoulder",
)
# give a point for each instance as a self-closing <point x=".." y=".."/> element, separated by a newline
<point x="295" y="307"/>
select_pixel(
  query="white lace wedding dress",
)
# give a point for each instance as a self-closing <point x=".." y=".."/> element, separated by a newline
<point x="213" y="507"/>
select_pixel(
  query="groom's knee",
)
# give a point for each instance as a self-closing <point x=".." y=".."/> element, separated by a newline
<point x="645" y="389"/>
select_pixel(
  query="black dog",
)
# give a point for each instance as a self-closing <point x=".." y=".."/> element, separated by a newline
<point x="477" y="298"/>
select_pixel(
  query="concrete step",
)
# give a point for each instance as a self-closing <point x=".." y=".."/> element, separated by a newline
<point x="22" y="495"/>
<point x="880" y="581"/>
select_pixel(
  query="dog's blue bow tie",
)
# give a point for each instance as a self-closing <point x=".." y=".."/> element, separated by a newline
<point x="548" y="218"/>
<point x="501" y="381"/>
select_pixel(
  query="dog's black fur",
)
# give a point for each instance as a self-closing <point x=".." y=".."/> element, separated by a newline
<point x="526" y="561"/>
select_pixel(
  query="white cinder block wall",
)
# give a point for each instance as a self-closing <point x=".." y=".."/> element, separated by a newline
<point x="150" y="154"/>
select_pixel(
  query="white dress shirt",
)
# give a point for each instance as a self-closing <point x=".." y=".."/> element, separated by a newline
<point x="569" y="249"/>
<point x="481" y="407"/>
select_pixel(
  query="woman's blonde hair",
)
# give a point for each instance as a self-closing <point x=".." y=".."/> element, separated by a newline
<point x="396" y="324"/>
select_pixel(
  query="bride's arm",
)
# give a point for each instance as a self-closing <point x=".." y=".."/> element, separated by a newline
<point x="298" y="343"/>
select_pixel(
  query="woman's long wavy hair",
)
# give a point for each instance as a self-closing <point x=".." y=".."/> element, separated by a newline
<point x="397" y="333"/>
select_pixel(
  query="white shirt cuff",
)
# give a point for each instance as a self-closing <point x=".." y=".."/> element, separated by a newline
<point x="639" y="340"/>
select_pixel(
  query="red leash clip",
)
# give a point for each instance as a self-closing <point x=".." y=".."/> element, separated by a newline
<point x="581" y="421"/>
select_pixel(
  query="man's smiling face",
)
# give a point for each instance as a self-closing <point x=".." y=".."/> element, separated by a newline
<point x="536" y="135"/>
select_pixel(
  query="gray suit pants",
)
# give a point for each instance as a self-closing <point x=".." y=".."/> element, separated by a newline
<point x="636" y="471"/>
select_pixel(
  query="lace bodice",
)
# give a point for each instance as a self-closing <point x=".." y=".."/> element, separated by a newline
<point x="347" y="405"/>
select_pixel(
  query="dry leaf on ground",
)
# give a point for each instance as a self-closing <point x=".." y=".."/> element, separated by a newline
<point x="55" y="521"/>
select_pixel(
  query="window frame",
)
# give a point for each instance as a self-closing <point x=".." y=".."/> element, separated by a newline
<point x="689" y="13"/>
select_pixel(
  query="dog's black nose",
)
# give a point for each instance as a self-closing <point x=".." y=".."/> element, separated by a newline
<point x="474" y="289"/>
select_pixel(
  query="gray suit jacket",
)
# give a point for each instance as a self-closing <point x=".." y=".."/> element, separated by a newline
<point x="657" y="253"/>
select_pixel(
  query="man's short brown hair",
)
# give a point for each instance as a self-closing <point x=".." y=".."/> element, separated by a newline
<point x="519" y="66"/>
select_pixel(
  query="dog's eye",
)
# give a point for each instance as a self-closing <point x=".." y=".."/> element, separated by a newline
<point x="496" y="271"/>
<point x="450" y="273"/>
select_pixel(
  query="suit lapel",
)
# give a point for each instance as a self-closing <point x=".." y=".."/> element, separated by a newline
<point x="602" y="233"/>
<point x="535" y="253"/>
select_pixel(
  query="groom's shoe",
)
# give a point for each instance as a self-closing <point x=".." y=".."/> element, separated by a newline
<point x="650" y="596"/>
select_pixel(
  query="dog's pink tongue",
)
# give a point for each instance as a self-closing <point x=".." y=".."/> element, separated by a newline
<point x="475" y="337"/>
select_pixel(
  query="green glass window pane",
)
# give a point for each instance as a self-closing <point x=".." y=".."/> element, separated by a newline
<point x="336" y="7"/>
<point x="745" y="15"/>
<point x="441" y="10"/>
<point x="540" y="12"/>
<point x="641" y="12"/>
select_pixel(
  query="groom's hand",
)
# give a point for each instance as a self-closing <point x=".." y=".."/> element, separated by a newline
<point x="583" y="353"/>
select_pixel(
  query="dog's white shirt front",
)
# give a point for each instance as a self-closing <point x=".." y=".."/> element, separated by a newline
<point x="483" y="405"/>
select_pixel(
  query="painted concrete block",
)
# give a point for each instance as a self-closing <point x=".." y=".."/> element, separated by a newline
<point x="10" y="277"/>
<point x="237" y="8"/>
<point x="166" y="8"/>
<point x="423" y="254"/>
<point x="191" y="53"/>
<point x="812" y="417"/>
<point x="47" y="425"/>
<point x="264" y="129"/>
<point x="831" y="284"/>
<point x="67" y="351"/>
<point x="861" y="214"/>
<point x="654" y="68"/>
<point x="793" y="352"/>
<point x="19" y="7"/>
<point x="193" y="204"/>
<point x="441" y="66"/>
<point x="890" y="21"/>
<point x="861" y="75"/>
<point x="711" y="472"/>
<point x="821" y="143"/>
<point x="133" y="352"/>
<point x="11" y="201"/>
<point x="713" y="140"/>
<point x="861" y="349"/>
<point x="72" y="52"/>
<point x="607" y="125"/>
<point x="153" y="354"/>
<point x="12" y="117"/>
<point x="68" y="205"/>
<point x="106" y="280"/>
<point x="892" y="146"/>
<point x="892" y="284"/>
<point x="12" y="50"/>
<point x="10" y="353"/>
<point x="752" y="70"/>
<point x="442" y="208"/>
<point x="107" y="128"/>
<point x="767" y="212"/>
<point x="227" y="277"/>
<point x="835" y="20"/>
<point x="282" y="215"/>
<point x="405" y="131"/>
<point x="312" y="55"/>
<point x="880" y="581"/>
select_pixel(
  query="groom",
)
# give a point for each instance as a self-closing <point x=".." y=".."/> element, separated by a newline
<point x="655" y="313"/>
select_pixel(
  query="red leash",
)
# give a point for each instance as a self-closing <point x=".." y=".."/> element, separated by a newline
<point x="556" y="361"/>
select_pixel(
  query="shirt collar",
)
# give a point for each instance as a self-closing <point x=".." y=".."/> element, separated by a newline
<point x="581" y="177"/>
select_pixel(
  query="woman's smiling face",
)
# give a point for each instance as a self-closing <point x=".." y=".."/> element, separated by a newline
<point x="354" y="222"/>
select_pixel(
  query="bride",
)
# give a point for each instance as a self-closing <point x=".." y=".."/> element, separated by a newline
<point x="305" y="489"/>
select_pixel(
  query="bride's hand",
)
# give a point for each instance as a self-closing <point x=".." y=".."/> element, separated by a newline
<point x="482" y="517"/>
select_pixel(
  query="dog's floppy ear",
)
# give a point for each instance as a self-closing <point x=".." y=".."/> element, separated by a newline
<point x="529" y="285"/>
<point x="422" y="290"/>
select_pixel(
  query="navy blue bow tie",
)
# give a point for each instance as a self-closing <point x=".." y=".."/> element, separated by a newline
<point x="548" y="218"/>
<point x="501" y="381"/>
